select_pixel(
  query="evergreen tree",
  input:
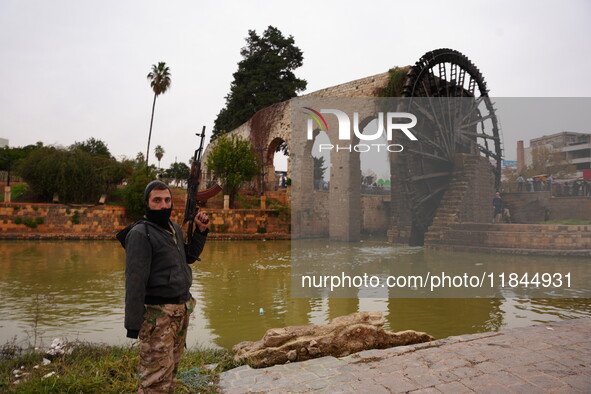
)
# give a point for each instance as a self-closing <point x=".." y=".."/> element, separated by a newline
<point x="264" y="77"/>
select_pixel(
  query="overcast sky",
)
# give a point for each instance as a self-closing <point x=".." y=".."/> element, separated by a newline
<point x="77" y="69"/>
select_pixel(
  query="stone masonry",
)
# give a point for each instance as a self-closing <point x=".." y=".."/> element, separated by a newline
<point x="272" y="125"/>
<point x="552" y="357"/>
<point x="467" y="199"/>
<point x="536" y="207"/>
<point x="529" y="239"/>
<point x="61" y="219"/>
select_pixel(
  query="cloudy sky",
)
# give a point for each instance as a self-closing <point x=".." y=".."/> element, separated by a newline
<point x="77" y="69"/>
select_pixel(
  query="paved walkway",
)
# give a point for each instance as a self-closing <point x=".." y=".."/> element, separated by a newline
<point x="554" y="357"/>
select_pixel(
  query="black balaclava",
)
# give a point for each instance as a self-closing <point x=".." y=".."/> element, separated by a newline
<point x="160" y="217"/>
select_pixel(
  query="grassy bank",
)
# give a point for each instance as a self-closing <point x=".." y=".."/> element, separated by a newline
<point x="16" y="192"/>
<point x="91" y="368"/>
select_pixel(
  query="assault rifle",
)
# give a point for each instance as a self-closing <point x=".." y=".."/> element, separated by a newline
<point x="194" y="196"/>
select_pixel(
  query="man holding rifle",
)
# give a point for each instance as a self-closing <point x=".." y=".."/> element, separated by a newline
<point x="158" y="278"/>
<point x="158" y="302"/>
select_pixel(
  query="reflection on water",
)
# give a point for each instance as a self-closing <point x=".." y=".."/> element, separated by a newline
<point x="75" y="289"/>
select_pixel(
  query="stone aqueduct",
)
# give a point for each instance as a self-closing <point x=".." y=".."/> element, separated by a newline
<point x="421" y="205"/>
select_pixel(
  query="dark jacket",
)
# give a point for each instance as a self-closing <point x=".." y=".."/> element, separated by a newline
<point x="497" y="203"/>
<point x="156" y="269"/>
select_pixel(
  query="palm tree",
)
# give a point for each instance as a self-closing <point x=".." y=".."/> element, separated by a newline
<point x="140" y="157"/>
<point x="159" y="152"/>
<point x="140" y="160"/>
<point x="159" y="79"/>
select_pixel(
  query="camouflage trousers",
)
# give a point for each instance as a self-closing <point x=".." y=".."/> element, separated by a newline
<point x="162" y="341"/>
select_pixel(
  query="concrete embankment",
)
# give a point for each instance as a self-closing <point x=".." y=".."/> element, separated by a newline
<point x="552" y="357"/>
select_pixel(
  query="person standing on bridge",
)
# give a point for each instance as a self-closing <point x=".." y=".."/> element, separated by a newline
<point x="158" y="278"/>
<point x="497" y="203"/>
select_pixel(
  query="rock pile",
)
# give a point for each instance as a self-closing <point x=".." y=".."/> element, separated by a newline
<point x="342" y="336"/>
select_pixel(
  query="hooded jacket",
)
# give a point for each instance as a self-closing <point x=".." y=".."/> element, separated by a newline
<point x="156" y="269"/>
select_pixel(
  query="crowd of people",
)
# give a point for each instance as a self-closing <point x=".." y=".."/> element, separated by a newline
<point x="559" y="188"/>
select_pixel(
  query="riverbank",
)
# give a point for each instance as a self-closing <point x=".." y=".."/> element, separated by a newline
<point x="552" y="357"/>
<point x="93" y="368"/>
<point x="111" y="236"/>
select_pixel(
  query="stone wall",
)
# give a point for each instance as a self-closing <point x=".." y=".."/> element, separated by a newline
<point x="281" y="195"/>
<point x="321" y="216"/>
<point x="248" y="221"/>
<point x="527" y="207"/>
<point x="375" y="214"/>
<point x="103" y="221"/>
<point x="467" y="199"/>
<point x="364" y="87"/>
<point x="58" y="218"/>
<point x="532" y="239"/>
<point x="477" y="202"/>
<point x="536" y="207"/>
<point x="570" y="208"/>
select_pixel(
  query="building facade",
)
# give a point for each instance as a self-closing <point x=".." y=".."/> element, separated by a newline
<point x="575" y="148"/>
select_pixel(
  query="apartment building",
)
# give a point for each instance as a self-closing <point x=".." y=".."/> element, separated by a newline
<point x="575" y="149"/>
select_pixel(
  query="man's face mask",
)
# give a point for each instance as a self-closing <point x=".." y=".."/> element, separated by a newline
<point x="159" y="207"/>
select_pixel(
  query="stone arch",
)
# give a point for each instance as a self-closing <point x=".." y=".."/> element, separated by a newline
<point x="270" y="181"/>
<point x="273" y="122"/>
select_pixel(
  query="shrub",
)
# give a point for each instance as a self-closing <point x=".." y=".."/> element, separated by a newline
<point x="75" y="175"/>
<point x="39" y="220"/>
<point x="133" y="192"/>
<point x="30" y="223"/>
<point x="18" y="220"/>
<point x="395" y="83"/>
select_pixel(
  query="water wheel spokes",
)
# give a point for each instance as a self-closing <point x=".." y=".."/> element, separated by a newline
<point x="448" y="95"/>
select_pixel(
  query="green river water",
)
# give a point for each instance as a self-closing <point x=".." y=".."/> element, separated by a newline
<point x="75" y="290"/>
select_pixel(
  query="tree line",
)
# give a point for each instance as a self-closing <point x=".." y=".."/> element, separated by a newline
<point x="85" y="170"/>
<point x="81" y="172"/>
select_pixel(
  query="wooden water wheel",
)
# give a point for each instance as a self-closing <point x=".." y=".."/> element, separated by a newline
<point x="455" y="115"/>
